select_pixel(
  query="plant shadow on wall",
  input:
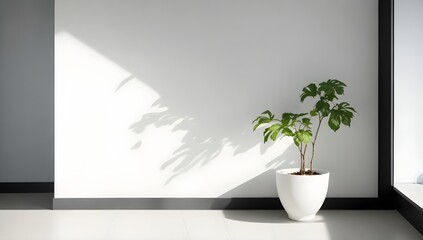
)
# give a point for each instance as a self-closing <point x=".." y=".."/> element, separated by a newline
<point x="207" y="130"/>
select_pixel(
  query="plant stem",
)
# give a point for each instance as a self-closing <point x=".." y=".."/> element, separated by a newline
<point x="304" y="154"/>
<point x="301" y="159"/>
<point x="314" y="142"/>
<point x="300" y="148"/>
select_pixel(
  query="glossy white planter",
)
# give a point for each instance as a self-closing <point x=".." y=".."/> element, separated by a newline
<point x="301" y="195"/>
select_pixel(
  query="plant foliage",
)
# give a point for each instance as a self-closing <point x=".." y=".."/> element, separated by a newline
<point x="299" y="126"/>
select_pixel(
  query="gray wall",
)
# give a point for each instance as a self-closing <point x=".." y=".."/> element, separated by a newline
<point x="26" y="90"/>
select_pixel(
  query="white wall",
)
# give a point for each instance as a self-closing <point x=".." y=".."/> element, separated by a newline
<point x="156" y="98"/>
<point x="26" y="90"/>
<point x="408" y="106"/>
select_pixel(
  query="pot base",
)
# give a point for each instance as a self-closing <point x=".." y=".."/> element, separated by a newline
<point x="302" y="218"/>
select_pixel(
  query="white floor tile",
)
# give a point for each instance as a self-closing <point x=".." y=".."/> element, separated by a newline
<point x="205" y="225"/>
<point x="80" y="224"/>
<point x="315" y="229"/>
<point x="148" y="224"/>
<point x="242" y="226"/>
<point x="25" y="224"/>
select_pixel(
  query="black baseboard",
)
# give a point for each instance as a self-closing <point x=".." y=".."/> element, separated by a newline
<point x="207" y="203"/>
<point x="409" y="210"/>
<point x="357" y="204"/>
<point x="26" y="187"/>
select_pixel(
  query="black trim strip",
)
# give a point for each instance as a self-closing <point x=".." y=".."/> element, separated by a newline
<point x="409" y="210"/>
<point x="26" y="187"/>
<point x="355" y="204"/>
<point x="385" y="103"/>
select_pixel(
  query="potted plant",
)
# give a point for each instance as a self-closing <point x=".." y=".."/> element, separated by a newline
<point x="302" y="191"/>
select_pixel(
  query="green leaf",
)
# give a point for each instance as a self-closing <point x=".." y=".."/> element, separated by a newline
<point x="299" y="135"/>
<point x="306" y="121"/>
<point x="303" y="136"/>
<point x="346" y="112"/>
<point x="269" y="113"/>
<point x="272" y="132"/>
<point x="331" y="88"/>
<point x="309" y="91"/>
<point x="334" y="120"/>
<point x="274" y="135"/>
<point x="274" y="129"/>
<point x="346" y="106"/>
<point x="296" y="141"/>
<point x="266" y="134"/>
<point x="325" y="110"/>
<point x="255" y="120"/>
<point x="286" y="118"/>
<point x="261" y="121"/>
<point x="323" y="107"/>
<point x="326" y="87"/>
<point x="319" y="105"/>
<point x="346" y="120"/>
<point x="338" y="86"/>
<point x="288" y="132"/>
<point x="313" y="113"/>
<point x="307" y="136"/>
<point x="266" y="137"/>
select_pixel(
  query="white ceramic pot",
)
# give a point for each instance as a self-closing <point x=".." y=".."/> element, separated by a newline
<point x="301" y="195"/>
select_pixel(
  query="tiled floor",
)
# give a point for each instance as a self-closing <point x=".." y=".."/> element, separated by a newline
<point x="30" y="221"/>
